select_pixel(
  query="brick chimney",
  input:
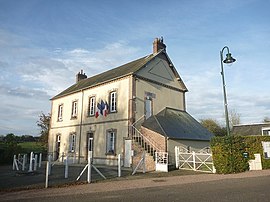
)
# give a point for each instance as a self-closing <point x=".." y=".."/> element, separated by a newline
<point x="158" y="45"/>
<point x="80" y="76"/>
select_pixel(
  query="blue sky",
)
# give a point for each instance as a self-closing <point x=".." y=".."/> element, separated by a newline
<point x="43" y="44"/>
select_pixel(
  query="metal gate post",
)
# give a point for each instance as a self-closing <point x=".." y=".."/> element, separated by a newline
<point x="176" y="149"/>
<point x="194" y="161"/>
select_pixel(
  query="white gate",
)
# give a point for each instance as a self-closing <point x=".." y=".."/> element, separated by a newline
<point x="128" y="153"/>
<point x="198" y="161"/>
<point x="161" y="160"/>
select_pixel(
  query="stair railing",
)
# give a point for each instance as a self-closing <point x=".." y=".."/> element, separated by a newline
<point x="149" y="145"/>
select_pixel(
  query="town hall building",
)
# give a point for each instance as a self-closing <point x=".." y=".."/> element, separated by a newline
<point x="137" y="106"/>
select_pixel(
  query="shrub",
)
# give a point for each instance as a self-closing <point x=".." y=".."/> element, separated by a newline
<point x="228" y="152"/>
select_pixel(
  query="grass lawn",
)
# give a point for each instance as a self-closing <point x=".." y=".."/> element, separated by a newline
<point x="28" y="147"/>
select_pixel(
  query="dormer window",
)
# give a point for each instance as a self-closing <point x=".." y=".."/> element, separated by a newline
<point x="74" y="110"/>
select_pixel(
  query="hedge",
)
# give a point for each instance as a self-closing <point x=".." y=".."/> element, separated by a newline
<point x="232" y="153"/>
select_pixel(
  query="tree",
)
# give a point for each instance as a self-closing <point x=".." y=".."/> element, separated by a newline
<point x="213" y="126"/>
<point x="10" y="138"/>
<point x="44" y="124"/>
<point x="266" y="119"/>
<point x="234" y="118"/>
<point x="10" y="148"/>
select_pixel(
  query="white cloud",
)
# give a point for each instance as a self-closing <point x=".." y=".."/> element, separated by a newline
<point x="26" y="85"/>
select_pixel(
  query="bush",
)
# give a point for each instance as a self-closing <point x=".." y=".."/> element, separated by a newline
<point x="9" y="149"/>
<point x="228" y="152"/>
<point x="254" y="146"/>
<point x="7" y="152"/>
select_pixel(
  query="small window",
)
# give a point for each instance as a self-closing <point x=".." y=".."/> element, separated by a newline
<point x="74" y="109"/>
<point x="60" y="113"/>
<point x="91" y="106"/>
<point x="265" y="131"/>
<point x="111" y="137"/>
<point x="113" y="101"/>
<point x="148" y="107"/>
<point x="266" y="149"/>
<point x="72" y="142"/>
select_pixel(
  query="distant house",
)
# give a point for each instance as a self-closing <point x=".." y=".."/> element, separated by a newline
<point x="137" y="106"/>
<point x="251" y="129"/>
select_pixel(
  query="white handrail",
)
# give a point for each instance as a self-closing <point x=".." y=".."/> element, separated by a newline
<point x="138" y="120"/>
<point x="151" y="143"/>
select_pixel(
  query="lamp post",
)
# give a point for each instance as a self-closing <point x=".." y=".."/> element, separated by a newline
<point x="229" y="59"/>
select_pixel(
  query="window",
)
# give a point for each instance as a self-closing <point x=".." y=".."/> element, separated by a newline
<point x="58" y="144"/>
<point x="91" y="106"/>
<point x="111" y="137"/>
<point x="266" y="149"/>
<point x="148" y="107"/>
<point x="60" y="112"/>
<point x="74" y="109"/>
<point x="113" y="101"/>
<point x="89" y="141"/>
<point x="265" y="131"/>
<point x="72" y="142"/>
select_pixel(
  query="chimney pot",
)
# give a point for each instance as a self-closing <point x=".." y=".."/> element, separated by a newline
<point x="80" y="76"/>
<point x="158" y="45"/>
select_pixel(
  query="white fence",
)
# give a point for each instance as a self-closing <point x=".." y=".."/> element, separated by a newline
<point x="200" y="161"/>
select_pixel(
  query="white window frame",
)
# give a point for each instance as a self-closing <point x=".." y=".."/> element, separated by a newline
<point x="111" y="142"/>
<point x="92" y="106"/>
<point x="60" y="112"/>
<point x="74" y="110"/>
<point x="148" y="107"/>
<point x="265" y="129"/>
<point x="72" y="142"/>
<point x="113" y="101"/>
<point x="266" y="149"/>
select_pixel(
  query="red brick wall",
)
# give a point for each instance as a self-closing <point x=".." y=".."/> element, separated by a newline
<point x="156" y="138"/>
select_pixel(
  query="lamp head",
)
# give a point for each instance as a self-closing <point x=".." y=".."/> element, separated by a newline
<point x="229" y="59"/>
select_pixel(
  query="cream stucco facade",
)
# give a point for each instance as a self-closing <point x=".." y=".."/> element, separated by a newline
<point x="146" y="92"/>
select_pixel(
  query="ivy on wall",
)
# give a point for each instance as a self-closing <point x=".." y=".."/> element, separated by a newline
<point x="232" y="153"/>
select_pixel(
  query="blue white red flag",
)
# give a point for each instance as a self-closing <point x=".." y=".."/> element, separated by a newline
<point x="102" y="108"/>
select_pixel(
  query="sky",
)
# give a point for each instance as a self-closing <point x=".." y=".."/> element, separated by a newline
<point x="45" y="43"/>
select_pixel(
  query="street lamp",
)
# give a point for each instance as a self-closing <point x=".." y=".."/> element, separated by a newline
<point x="229" y="59"/>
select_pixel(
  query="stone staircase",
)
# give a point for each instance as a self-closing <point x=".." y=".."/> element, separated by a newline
<point x="149" y="158"/>
<point x="141" y="144"/>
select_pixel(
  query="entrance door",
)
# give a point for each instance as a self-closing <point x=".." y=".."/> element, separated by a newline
<point x="128" y="153"/>
<point x="90" y="144"/>
<point x="57" y="146"/>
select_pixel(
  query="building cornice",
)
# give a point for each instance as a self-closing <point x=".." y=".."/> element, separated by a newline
<point x="89" y="124"/>
<point x="161" y="84"/>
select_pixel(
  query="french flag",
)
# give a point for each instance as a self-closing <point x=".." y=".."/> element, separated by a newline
<point x="103" y="108"/>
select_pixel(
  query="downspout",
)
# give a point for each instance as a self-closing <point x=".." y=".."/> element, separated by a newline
<point x="167" y="144"/>
<point x="80" y="132"/>
<point x="131" y="108"/>
<point x="50" y="136"/>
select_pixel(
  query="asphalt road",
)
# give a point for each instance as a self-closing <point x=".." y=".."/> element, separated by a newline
<point x="232" y="189"/>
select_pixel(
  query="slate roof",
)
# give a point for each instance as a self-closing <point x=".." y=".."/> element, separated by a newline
<point x="109" y="75"/>
<point x="116" y="73"/>
<point x="249" y="129"/>
<point x="177" y="124"/>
